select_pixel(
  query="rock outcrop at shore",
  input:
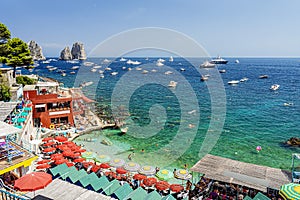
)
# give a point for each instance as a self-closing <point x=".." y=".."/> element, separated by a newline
<point x="293" y="141"/>
<point x="78" y="51"/>
<point x="36" y="51"/>
<point x="65" y="54"/>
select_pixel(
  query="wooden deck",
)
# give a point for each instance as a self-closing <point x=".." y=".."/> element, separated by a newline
<point x="241" y="173"/>
<point x="63" y="190"/>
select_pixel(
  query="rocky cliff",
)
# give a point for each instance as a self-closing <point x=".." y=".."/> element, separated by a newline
<point x="36" y="51"/>
<point x="65" y="54"/>
<point x="78" y="51"/>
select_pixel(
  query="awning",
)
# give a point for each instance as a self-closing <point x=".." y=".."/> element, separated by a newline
<point x="40" y="106"/>
<point x="25" y="163"/>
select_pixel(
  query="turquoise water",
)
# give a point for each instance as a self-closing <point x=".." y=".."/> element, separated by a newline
<point x="255" y="116"/>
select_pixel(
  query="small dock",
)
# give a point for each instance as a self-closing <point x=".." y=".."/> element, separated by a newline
<point x="241" y="173"/>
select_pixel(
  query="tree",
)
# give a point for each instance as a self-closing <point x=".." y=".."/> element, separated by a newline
<point x="24" y="80"/>
<point x="5" y="94"/>
<point x="4" y="33"/>
<point x="18" y="54"/>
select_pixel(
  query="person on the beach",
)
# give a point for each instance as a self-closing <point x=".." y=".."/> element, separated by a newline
<point x="143" y="151"/>
<point x="185" y="166"/>
<point x="130" y="156"/>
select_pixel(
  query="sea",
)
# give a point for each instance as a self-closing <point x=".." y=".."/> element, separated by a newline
<point x="169" y="126"/>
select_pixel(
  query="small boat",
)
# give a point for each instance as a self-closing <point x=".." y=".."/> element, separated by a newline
<point x="233" y="82"/>
<point x="72" y="72"/>
<point x="93" y="70"/>
<point x="160" y="60"/>
<point x="274" y="87"/>
<point x="144" y="71"/>
<point x="130" y="62"/>
<point x="101" y="76"/>
<point x="123" y="68"/>
<point x="97" y="66"/>
<point x="73" y="61"/>
<point x="88" y="64"/>
<point x="203" y="78"/>
<point x="207" y="64"/>
<point x="91" y="140"/>
<point x="171" y="59"/>
<point x="75" y="67"/>
<point x="101" y="71"/>
<point x="106" y="61"/>
<point x="122" y="59"/>
<point x="168" y="72"/>
<point x="52" y="69"/>
<point x="114" y="73"/>
<point x="263" y="76"/>
<point x="244" y="79"/>
<point x="138" y="68"/>
<point x="237" y="61"/>
<point x="84" y="84"/>
<point x="288" y="104"/>
<point x="124" y="130"/>
<point x="182" y="69"/>
<point x="46" y="62"/>
<point x="154" y="70"/>
<point x="172" y="84"/>
<point x="49" y="66"/>
<point x="159" y="64"/>
<point x="219" y="60"/>
<point x="107" y="68"/>
<point x="222" y="71"/>
<point x="63" y="74"/>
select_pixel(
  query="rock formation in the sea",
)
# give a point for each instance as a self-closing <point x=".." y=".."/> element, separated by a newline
<point x="78" y="51"/>
<point x="293" y="141"/>
<point x="36" y="51"/>
<point x="65" y="54"/>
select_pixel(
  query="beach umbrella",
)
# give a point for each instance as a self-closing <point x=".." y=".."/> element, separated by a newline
<point x="61" y="161"/>
<point x="56" y="155"/>
<point x="162" y="185"/>
<point x="102" y="158"/>
<point x="182" y="174"/>
<point x="176" y="188"/>
<point x="132" y="166"/>
<point x="104" y="165"/>
<point x="69" y="164"/>
<point x="43" y="161"/>
<point x="80" y="150"/>
<point x="120" y="170"/>
<point x="43" y="166"/>
<point x="87" y="164"/>
<point x="147" y="170"/>
<point x="88" y="155"/>
<point x="95" y="168"/>
<point x="48" y="150"/>
<point x="47" y="139"/>
<point x="77" y="155"/>
<point x="117" y="162"/>
<point x="68" y="153"/>
<point x="33" y="181"/>
<point x="139" y="177"/>
<point x="49" y="144"/>
<point x="290" y="191"/>
<point x="61" y="138"/>
<point x="164" y="174"/>
<point x="149" y="181"/>
<point x="79" y="160"/>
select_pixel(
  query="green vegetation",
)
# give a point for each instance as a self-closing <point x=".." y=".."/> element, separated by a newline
<point x="13" y="52"/>
<point x="24" y="80"/>
<point x="5" y="94"/>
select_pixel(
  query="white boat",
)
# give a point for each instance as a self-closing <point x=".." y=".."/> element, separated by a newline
<point x="101" y="71"/>
<point x="75" y="67"/>
<point x="160" y="60"/>
<point x="106" y="61"/>
<point x="107" y="68"/>
<point x="72" y="72"/>
<point x="207" y="64"/>
<point x="154" y="70"/>
<point x="88" y="64"/>
<point x="274" y="87"/>
<point x="52" y="69"/>
<point x="168" y="72"/>
<point x="93" y="70"/>
<point x="159" y="64"/>
<point x="63" y="74"/>
<point x="122" y="59"/>
<point x="219" y="60"/>
<point x="222" y="71"/>
<point x="233" y="82"/>
<point x="84" y="84"/>
<point x="46" y="61"/>
<point x="97" y="66"/>
<point x="123" y="68"/>
<point x="101" y="76"/>
<point x="114" y="73"/>
<point x="263" y="76"/>
<point x="204" y="78"/>
<point x="144" y="71"/>
<point x="172" y="84"/>
<point x="244" y="79"/>
<point x="49" y="66"/>
<point x="124" y="130"/>
<point x="130" y="62"/>
<point x="182" y="69"/>
<point x="138" y="68"/>
<point x="237" y="61"/>
<point x="171" y="59"/>
<point x="72" y="61"/>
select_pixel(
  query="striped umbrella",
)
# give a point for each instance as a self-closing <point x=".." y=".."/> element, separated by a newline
<point x="117" y="162"/>
<point x="147" y="170"/>
<point x="43" y="166"/>
<point x="290" y="191"/>
<point x="132" y="166"/>
<point x="102" y="158"/>
<point x="164" y="174"/>
<point x="182" y="174"/>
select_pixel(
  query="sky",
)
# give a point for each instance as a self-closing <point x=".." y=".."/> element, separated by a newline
<point x="230" y="28"/>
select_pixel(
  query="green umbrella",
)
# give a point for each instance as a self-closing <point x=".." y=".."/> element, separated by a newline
<point x="20" y="120"/>
<point x="24" y="113"/>
<point x="164" y="174"/>
<point x="102" y="158"/>
<point x="290" y="191"/>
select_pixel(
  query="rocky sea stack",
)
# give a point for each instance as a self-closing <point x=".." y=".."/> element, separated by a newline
<point x="36" y="51"/>
<point x="65" y="54"/>
<point x="294" y="141"/>
<point x="78" y="51"/>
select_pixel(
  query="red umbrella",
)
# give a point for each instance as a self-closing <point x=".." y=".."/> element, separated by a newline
<point x="113" y="174"/>
<point x="176" y="188"/>
<point x="61" y="146"/>
<point x="56" y="156"/>
<point x="48" y="150"/>
<point x="70" y="164"/>
<point x="47" y="139"/>
<point x="149" y="181"/>
<point x="87" y="164"/>
<point x="81" y="150"/>
<point x="76" y="155"/>
<point x="33" y="181"/>
<point x="79" y="160"/>
<point x="95" y="168"/>
<point x="162" y="185"/>
<point x="68" y="153"/>
<point x="44" y="161"/>
<point x="104" y="165"/>
<point x="121" y="171"/>
<point x="61" y="161"/>
<point x="61" y="138"/>
<point x="43" y="166"/>
<point x="139" y="177"/>
<point x="49" y="144"/>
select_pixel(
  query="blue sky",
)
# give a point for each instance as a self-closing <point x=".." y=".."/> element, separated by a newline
<point x="264" y="28"/>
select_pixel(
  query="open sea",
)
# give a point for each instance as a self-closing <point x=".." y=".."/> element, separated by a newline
<point x="255" y="115"/>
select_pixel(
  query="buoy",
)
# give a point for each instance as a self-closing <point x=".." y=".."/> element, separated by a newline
<point x="258" y="148"/>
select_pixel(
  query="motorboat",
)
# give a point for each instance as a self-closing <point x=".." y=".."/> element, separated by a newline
<point x="222" y="71"/>
<point x="93" y="70"/>
<point x="101" y="71"/>
<point x="219" y="60"/>
<point x="130" y="62"/>
<point x="168" y="72"/>
<point x="123" y="68"/>
<point x="182" y="69"/>
<point x="237" y="61"/>
<point x="52" y="69"/>
<point x="204" y="78"/>
<point x="244" y="79"/>
<point x="84" y="84"/>
<point x="154" y="70"/>
<point x="274" y="87"/>
<point x="63" y="74"/>
<point x="88" y="64"/>
<point x="144" y="71"/>
<point x="107" y="68"/>
<point x="233" y="82"/>
<point x="124" y="130"/>
<point x="171" y="59"/>
<point x="97" y="66"/>
<point x="72" y="72"/>
<point x="106" y="61"/>
<point x="263" y="76"/>
<point x="101" y="76"/>
<point x="207" y="64"/>
<point x="138" y="68"/>
<point x="123" y="59"/>
<point x="75" y="67"/>
<point x="114" y="73"/>
<point x="159" y="64"/>
<point x="161" y="60"/>
<point x="172" y="84"/>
